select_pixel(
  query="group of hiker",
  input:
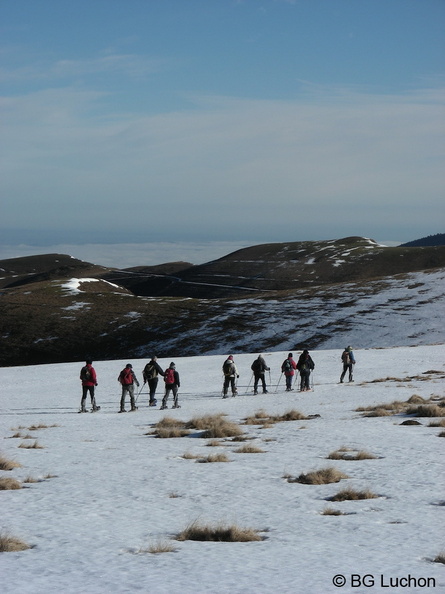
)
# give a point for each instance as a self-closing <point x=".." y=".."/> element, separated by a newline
<point x="152" y="371"/>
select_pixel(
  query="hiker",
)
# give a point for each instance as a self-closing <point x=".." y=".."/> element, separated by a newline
<point x="348" y="360"/>
<point x="89" y="382"/>
<point x="305" y="365"/>
<point x="128" y="378"/>
<point x="288" y="367"/>
<point x="259" y="368"/>
<point x="230" y="376"/>
<point x="151" y="372"/>
<point x="171" y="379"/>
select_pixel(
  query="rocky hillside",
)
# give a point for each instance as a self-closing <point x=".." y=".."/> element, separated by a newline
<point x="55" y="308"/>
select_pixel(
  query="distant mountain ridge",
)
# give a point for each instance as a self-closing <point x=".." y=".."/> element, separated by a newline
<point x="55" y="308"/>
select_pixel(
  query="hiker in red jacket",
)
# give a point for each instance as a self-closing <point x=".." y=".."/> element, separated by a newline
<point x="89" y="382"/>
<point x="171" y="379"/>
<point x="127" y="379"/>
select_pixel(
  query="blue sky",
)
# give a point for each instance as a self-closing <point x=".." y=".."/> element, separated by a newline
<point x="221" y="120"/>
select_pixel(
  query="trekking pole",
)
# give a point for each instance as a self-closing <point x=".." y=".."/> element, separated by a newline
<point x="139" y="392"/>
<point x="248" y="385"/>
<point x="276" y="389"/>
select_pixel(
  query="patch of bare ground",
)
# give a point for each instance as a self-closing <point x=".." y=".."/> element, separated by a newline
<point x="323" y="476"/>
<point x="220" y="532"/>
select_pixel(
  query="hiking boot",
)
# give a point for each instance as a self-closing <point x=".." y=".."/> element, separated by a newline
<point x="122" y="410"/>
<point x="133" y="408"/>
<point x="163" y="407"/>
<point x="152" y="403"/>
<point x="265" y="392"/>
<point x="176" y="406"/>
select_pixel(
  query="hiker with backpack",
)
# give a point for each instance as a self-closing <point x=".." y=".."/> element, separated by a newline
<point x="288" y="367"/>
<point x="348" y="361"/>
<point x="89" y="382"/>
<point x="230" y="376"/>
<point x="259" y="368"/>
<point x="305" y="365"/>
<point x="172" y="383"/>
<point x="150" y="374"/>
<point x="127" y="379"/>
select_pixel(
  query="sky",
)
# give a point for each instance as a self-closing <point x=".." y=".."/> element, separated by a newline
<point x="243" y="121"/>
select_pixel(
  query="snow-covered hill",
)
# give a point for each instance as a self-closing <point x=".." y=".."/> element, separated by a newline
<point x="108" y="489"/>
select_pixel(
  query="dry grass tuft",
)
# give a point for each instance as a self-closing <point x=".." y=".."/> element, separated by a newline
<point x="350" y="494"/>
<point x="174" y="495"/>
<point x="346" y="454"/>
<point x="330" y="511"/>
<point x="213" y="443"/>
<point x="10" y="543"/>
<point x="218" y="533"/>
<point x="189" y="456"/>
<point x="249" y="448"/>
<point x="168" y="428"/>
<point x="426" y="410"/>
<point x="6" y="464"/>
<point x="441" y="434"/>
<point x="160" y="546"/>
<point x="319" y="477"/>
<point x="267" y="420"/>
<point x="440" y="558"/>
<point x="31" y="479"/>
<point x="221" y="457"/>
<point x="9" y="484"/>
<point x="416" y="399"/>
<point x="31" y="446"/>
<point x="215" y="426"/>
<point x="440" y="423"/>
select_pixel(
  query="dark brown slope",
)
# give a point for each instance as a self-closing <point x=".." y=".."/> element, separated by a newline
<point x="287" y="266"/>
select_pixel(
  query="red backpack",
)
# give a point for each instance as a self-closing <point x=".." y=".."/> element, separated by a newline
<point x="169" y="377"/>
<point x="126" y="377"/>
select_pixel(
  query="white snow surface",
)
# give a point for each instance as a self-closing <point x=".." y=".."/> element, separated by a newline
<point x="115" y="490"/>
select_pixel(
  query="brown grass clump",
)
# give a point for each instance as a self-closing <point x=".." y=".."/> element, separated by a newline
<point x="350" y="494"/>
<point x="440" y="558"/>
<point x="31" y="446"/>
<point x="266" y="420"/>
<point x="441" y="434"/>
<point x="168" y="428"/>
<point x="10" y="543"/>
<point x="6" y="464"/>
<point x="41" y="426"/>
<point x="330" y="511"/>
<point x="160" y="546"/>
<point x="319" y="477"/>
<point x="189" y="456"/>
<point x="221" y="457"/>
<point x="218" y="533"/>
<point x="9" y="484"/>
<point x="416" y="399"/>
<point x="426" y="410"/>
<point x="344" y="454"/>
<point x="215" y="426"/>
<point x="440" y="423"/>
<point x="249" y="448"/>
<point x="213" y="443"/>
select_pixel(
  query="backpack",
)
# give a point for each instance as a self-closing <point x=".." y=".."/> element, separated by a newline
<point x="169" y="376"/>
<point x="256" y="365"/>
<point x="149" y="371"/>
<point x="228" y="367"/>
<point x="85" y="374"/>
<point x="346" y="358"/>
<point x="126" y="377"/>
<point x="287" y="366"/>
